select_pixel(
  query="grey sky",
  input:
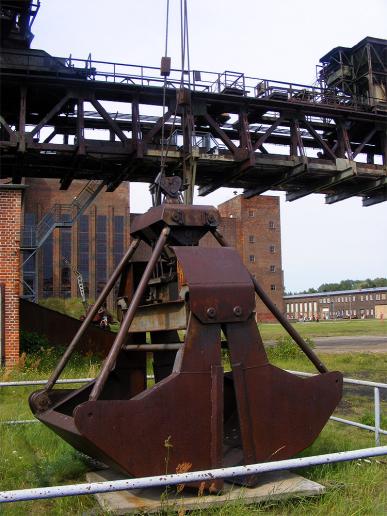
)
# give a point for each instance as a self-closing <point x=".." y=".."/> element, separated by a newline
<point x="280" y="40"/>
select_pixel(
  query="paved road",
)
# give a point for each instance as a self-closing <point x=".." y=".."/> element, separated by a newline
<point x="357" y="344"/>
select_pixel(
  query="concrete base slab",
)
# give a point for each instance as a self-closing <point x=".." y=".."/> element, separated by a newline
<point x="273" y="486"/>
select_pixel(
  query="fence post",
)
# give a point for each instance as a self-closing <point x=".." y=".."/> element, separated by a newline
<point x="377" y="415"/>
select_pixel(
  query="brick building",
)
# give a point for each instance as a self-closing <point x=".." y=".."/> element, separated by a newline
<point x="253" y="227"/>
<point x="97" y="240"/>
<point x="361" y="304"/>
<point x="93" y="244"/>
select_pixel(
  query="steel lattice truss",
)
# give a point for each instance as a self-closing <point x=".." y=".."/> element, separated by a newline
<point x="73" y="119"/>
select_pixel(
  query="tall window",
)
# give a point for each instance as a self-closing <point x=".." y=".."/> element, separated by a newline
<point x="101" y="252"/>
<point x="271" y="224"/>
<point x="272" y="249"/>
<point x="272" y="268"/>
<point x="252" y="258"/>
<point x="65" y="252"/>
<point x="118" y="239"/>
<point x="251" y="239"/>
<point x="83" y="250"/>
<point x="47" y="251"/>
<point x="273" y="287"/>
<point x="251" y="213"/>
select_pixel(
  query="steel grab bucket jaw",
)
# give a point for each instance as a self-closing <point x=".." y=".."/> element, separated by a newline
<point x="196" y="416"/>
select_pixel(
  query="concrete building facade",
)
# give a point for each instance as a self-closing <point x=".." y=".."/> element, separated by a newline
<point x="366" y="303"/>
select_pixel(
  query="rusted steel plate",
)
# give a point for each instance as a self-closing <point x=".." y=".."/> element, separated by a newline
<point x="159" y="317"/>
<point x="176" y="422"/>
<point x="279" y="413"/>
<point x="220" y="287"/>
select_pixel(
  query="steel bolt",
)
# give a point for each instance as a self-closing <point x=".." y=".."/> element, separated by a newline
<point x="211" y="312"/>
<point x="176" y="216"/>
<point x="237" y="311"/>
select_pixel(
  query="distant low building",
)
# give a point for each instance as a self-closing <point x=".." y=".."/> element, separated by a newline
<point x="367" y="303"/>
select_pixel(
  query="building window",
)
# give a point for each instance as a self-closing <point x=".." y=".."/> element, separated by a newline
<point x="251" y="213"/>
<point x="252" y="258"/>
<point x="367" y="297"/>
<point x="83" y="251"/>
<point x="65" y="253"/>
<point x="47" y="251"/>
<point x="361" y="298"/>
<point x="118" y="238"/>
<point x="271" y="224"/>
<point x="272" y="249"/>
<point x="272" y="268"/>
<point x="377" y="297"/>
<point x="101" y="252"/>
<point x="383" y="297"/>
<point x="251" y="239"/>
<point x="273" y="287"/>
<point x="371" y="297"/>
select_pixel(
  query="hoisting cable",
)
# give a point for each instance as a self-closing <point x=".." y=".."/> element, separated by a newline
<point x="162" y="157"/>
<point x="184" y="42"/>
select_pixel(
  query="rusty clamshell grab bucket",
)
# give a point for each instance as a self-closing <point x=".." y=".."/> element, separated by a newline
<point x="195" y="416"/>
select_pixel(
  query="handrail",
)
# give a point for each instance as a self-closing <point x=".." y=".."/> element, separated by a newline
<point x="209" y="81"/>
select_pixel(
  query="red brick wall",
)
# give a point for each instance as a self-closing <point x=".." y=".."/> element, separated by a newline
<point x="253" y="227"/>
<point x="10" y="217"/>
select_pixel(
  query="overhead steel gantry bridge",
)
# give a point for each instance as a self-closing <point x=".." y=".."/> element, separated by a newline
<point x="83" y="119"/>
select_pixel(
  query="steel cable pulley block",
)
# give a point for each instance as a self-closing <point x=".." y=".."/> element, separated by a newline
<point x="196" y="416"/>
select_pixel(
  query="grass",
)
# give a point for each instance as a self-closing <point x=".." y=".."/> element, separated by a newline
<point x="33" y="456"/>
<point x="367" y="327"/>
<point x="70" y="306"/>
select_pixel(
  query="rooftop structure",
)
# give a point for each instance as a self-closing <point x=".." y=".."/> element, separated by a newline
<point x="359" y="72"/>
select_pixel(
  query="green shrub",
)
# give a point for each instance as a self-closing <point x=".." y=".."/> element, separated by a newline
<point x="32" y="342"/>
<point x="286" y="348"/>
<point x="39" y="355"/>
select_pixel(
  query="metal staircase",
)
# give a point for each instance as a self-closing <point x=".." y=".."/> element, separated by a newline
<point x="59" y="216"/>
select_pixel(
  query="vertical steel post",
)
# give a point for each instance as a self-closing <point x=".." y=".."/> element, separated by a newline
<point x="129" y="316"/>
<point x="377" y="415"/>
<point x="90" y="316"/>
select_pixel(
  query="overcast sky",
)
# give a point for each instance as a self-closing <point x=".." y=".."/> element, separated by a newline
<point x="281" y="40"/>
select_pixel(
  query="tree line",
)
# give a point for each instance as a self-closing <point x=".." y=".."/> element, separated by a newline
<point x="347" y="284"/>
